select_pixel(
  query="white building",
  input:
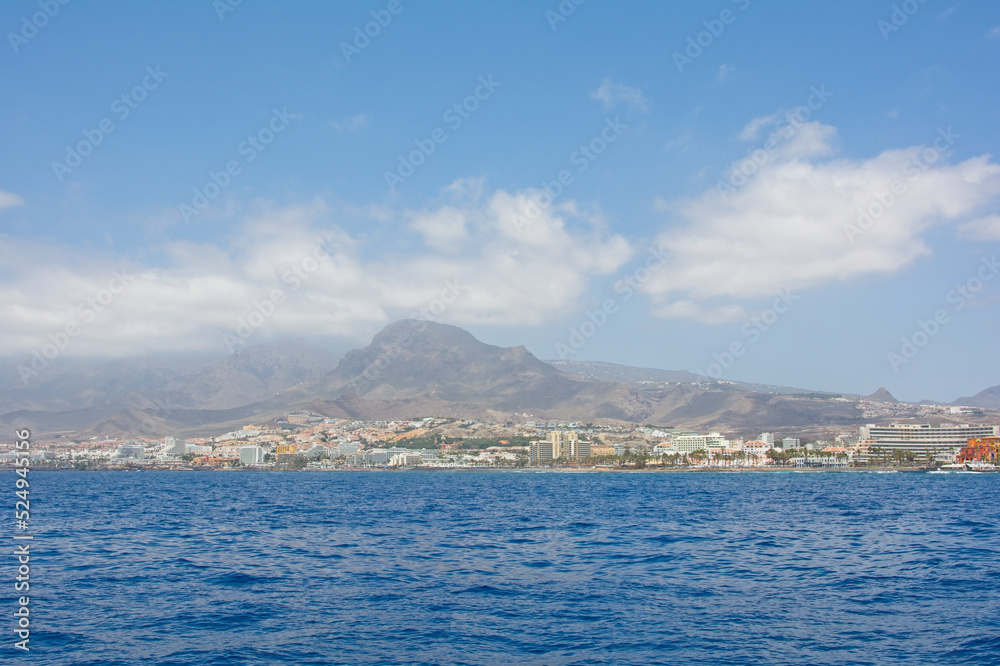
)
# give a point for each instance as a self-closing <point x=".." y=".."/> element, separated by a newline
<point x="173" y="446"/>
<point x="252" y="455"/>
<point x="405" y="460"/>
<point x="320" y="451"/>
<point x="755" y="449"/>
<point x="130" y="451"/>
<point x="347" y="447"/>
<point x="923" y="438"/>
<point x="664" y="449"/>
<point x="375" y="456"/>
<point x="690" y="443"/>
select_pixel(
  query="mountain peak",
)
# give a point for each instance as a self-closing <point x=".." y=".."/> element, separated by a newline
<point x="881" y="395"/>
<point x="406" y="332"/>
<point x="412" y="358"/>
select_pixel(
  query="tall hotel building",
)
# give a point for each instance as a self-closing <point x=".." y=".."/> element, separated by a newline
<point x="559" y="445"/>
<point x="923" y="438"/>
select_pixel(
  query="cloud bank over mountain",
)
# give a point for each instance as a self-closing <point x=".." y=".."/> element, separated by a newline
<point x="494" y="257"/>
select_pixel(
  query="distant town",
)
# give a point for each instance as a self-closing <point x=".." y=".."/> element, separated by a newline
<point x="307" y="441"/>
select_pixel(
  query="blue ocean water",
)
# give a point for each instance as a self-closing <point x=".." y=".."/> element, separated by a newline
<point x="511" y="568"/>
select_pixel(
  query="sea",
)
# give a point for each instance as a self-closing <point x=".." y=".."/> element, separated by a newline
<point x="509" y="567"/>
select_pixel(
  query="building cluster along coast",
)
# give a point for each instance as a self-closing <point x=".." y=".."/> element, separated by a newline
<point x="314" y="442"/>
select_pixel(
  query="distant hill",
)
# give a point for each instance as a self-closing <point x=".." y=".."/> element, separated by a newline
<point x="416" y="368"/>
<point x="987" y="398"/>
<point x="881" y="395"/>
<point x="249" y="375"/>
<point x="600" y="371"/>
<point x="81" y="383"/>
<point x="419" y="362"/>
<point x="410" y="369"/>
<point x="153" y="395"/>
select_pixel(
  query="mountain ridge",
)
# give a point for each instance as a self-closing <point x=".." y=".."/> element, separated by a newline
<point x="988" y="398"/>
<point x="420" y="368"/>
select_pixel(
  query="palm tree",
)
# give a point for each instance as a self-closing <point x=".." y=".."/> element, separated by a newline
<point x="641" y="458"/>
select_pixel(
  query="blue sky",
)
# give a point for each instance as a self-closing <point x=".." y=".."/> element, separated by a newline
<point x="358" y="194"/>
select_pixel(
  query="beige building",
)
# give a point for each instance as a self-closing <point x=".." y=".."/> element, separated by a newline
<point x="565" y="445"/>
<point x="597" y="450"/>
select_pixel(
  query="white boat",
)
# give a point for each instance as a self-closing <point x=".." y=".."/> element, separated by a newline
<point x="973" y="467"/>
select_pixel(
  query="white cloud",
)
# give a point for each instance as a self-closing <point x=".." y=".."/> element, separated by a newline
<point x="9" y="200"/>
<point x="354" y="124"/>
<point x="983" y="228"/>
<point x="505" y="273"/>
<point x="788" y="226"/>
<point x="471" y="189"/>
<point x="752" y="128"/>
<point x="725" y="71"/>
<point x="994" y="32"/>
<point x="442" y="229"/>
<point x="612" y="94"/>
<point x="689" y="309"/>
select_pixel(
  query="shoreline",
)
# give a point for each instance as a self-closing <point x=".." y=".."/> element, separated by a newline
<point x="533" y="470"/>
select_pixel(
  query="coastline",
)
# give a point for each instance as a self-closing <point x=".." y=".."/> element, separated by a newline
<point x="529" y="470"/>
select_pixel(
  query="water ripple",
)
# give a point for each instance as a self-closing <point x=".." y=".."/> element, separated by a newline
<point x="519" y="568"/>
